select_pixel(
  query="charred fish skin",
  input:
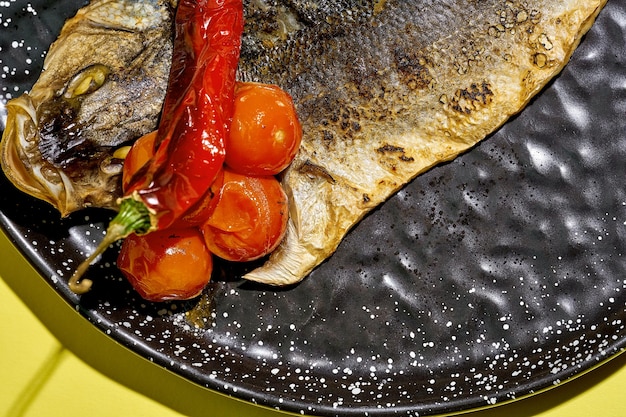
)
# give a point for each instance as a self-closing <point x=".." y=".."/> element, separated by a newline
<point x="102" y="86"/>
<point x="400" y="87"/>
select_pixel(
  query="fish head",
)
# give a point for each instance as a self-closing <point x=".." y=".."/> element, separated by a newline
<point x="64" y="140"/>
<point x="52" y="167"/>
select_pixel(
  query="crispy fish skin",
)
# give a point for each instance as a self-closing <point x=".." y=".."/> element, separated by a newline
<point x="398" y="88"/>
<point x="102" y="86"/>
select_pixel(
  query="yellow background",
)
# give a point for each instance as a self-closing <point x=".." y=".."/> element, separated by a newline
<point x="91" y="375"/>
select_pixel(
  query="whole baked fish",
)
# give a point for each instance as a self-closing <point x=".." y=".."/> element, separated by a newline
<point x="102" y="86"/>
<point x="387" y="89"/>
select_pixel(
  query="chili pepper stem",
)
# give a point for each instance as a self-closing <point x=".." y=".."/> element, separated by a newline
<point x="132" y="217"/>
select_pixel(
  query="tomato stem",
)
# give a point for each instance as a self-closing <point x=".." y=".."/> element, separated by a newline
<point x="133" y="217"/>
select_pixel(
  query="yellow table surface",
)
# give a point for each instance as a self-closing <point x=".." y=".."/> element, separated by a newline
<point x="54" y="363"/>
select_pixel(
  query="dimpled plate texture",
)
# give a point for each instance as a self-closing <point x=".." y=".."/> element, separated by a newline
<point x="488" y="278"/>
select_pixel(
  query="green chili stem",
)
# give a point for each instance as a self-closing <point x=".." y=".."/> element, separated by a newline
<point x="132" y="217"/>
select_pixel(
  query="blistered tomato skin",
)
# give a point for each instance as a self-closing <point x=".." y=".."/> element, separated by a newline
<point x="201" y="211"/>
<point x="169" y="264"/>
<point x="140" y="153"/>
<point x="265" y="132"/>
<point x="249" y="219"/>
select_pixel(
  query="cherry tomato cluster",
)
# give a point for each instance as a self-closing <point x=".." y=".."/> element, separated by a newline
<point x="242" y="217"/>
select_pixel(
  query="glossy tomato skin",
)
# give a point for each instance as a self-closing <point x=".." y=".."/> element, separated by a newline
<point x="265" y="132"/>
<point x="202" y="210"/>
<point x="169" y="264"/>
<point x="141" y="151"/>
<point x="249" y="219"/>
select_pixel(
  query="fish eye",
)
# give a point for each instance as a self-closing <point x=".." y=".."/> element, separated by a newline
<point x="87" y="81"/>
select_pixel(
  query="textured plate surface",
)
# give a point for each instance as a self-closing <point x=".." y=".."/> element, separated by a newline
<point x="484" y="280"/>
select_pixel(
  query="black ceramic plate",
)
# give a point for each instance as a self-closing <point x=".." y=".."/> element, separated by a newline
<point x="486" y="279"/>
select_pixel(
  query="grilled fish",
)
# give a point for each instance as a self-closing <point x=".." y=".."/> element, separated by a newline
<point x="387" y="89"/>
<point x="102" y="86"/>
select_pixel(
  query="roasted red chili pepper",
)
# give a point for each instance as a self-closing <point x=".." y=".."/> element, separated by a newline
<point x="194" y="125"/>
<point x="189" y="147"/>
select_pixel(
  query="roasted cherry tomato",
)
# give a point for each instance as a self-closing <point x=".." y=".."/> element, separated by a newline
<point x="200" y="212"/>
<point x="265" y="133"/>
<point x="249" y="219"/>
<point x="141" y="151"/>
<point x="168" y="264"/>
